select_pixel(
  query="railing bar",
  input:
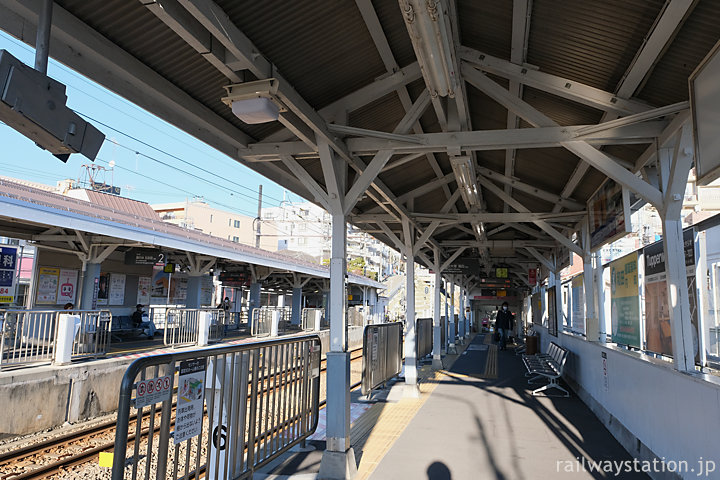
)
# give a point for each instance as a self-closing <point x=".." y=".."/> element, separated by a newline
<point x="165" y="427"/>
<point x="151" y="435"/>
<point x="138" y="429"/>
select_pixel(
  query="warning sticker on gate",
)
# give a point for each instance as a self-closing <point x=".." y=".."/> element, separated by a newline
<point x="191" y="391"/>
<point x="148" y="392"/>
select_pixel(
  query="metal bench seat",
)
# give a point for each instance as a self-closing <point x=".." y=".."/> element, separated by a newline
<point x="547" y="366"/>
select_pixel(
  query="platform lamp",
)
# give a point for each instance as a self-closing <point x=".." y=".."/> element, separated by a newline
<point x="428" y="24"/>
<point x="255" y="102"/>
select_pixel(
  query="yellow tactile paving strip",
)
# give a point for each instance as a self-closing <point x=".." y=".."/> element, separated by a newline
<point x="376" y="431"/>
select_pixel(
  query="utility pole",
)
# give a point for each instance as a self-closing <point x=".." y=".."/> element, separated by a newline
<point x="258" y="220"/>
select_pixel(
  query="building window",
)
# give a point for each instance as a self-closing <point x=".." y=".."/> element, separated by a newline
<point x="236" y="239"/>
<point x="211" y="217"/>
<point x="236" y="224"/>
<point x="229" y="223"/>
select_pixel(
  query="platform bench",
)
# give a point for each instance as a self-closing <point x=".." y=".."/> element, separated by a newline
<point x="547" y="366"/>
<point x="122" y="326"/>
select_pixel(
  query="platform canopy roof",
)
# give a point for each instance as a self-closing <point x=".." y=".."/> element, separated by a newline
<point x="484" y="125"/>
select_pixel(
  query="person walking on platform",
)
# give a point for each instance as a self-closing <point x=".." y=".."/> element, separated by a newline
<point x="503" y="323"/>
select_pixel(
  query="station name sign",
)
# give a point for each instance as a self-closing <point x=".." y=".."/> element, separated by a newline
<point x="144" y="256"/>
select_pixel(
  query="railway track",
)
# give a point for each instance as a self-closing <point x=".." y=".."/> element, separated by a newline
<point x="56" y="455"/>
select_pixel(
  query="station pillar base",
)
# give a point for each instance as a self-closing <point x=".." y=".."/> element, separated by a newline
<point x="411" y="390"/>
<point x="437" y="363"/>
<point x="338" y="465"/>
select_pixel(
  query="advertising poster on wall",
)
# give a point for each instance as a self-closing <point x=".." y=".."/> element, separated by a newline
<point x="103" y="289"/>
<point x="67" y="289"/>
<point x="116" y="295"/>
<point x="48" y="279"/>
<point x="657" y="307"/>
<point x="577" y="315"/>
<point x="206" y="290"/>
<point x="609" y="214"/>
<point x="143" y="293"/>
<point x="8" y="263"/>
<point x="537" y="313"/>
<point x="552" y="311"/>
<point x="160" y="282"/>
<point x="625" y="300"/>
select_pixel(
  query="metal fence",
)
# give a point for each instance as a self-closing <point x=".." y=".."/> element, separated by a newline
<point x="263" y="319"/>
<point x="382" y="354"/>
<point x="236" y="409"/>
<point x="93" y="334"/>
<point x="424" y="337"/>
<point x="355" y="317"/>
<point x="182" y="326"/>
<point x="30" y="336"/>
<point x="307" y="322"/>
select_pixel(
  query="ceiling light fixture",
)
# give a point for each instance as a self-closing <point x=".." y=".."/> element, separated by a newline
<point x="464" y="170"/>
<point x="255" y="102"/>
<point x="428" y="24"/>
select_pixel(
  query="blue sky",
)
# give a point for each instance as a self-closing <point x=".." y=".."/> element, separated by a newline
<point x="141" y="175"/>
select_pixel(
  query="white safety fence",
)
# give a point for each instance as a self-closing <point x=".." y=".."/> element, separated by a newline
<point x="312" y="319"/>
<point x="264" y="318"/>
<point x="188" y="326"/>
<point x="217" y="413"/>
<point x="31" y="336"/>
<point x="713" y="341"/>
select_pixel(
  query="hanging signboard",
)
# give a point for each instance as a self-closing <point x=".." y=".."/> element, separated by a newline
<point x="144" y="256"/>
<point x="48" y="279"/>
<point x="532" y="276"/>
<point x="67" y="288"/>
<point x="463" y="266"/>
<point x="657" y="307"/>
<point x="8" y="263"/>
<point x="116" y="295"/>
<point x="577" y="315"/>
<point x="625" y="300"/>
<point x="609" y="214"/>
<point x="705" y="108"/>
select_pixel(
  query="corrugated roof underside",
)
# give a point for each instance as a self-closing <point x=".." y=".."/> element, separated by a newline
<point x="322" y="48"/>
<point x="140" y="33"/>
<point x="668" y="81"/>
<point x="589" y="41"/>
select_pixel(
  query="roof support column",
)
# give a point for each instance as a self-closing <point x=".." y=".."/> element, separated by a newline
<point x="338" y="461"/>
<point x="675" y="167"/>
<point x="451" y="319"/>
<point x="461" y="314"/>
<point x="88" y="289"/>
<point x="437" y="334"/>
<point x="411" y="385"/>
<point x="445" y="347"/>
<point x="591" y="319"/>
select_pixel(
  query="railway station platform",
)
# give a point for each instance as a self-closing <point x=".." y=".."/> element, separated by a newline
<point x="476" y="418"/>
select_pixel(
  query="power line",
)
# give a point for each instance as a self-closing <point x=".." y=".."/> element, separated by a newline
<point x="239" y="210"/>
<point x="171" y="156"/>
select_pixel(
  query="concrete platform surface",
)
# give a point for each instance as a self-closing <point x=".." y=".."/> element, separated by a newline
<point x="480" y="423"/>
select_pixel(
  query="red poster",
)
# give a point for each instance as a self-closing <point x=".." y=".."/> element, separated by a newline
<point x="532" y="276"/>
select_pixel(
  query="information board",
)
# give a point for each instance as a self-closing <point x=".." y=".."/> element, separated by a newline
<point x="625" y="300"/>
<point x="116" y="295"/>
<point x="191" y="391"/>
<point x="148" y="392"/>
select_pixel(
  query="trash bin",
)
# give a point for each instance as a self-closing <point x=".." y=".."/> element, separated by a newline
<point x="531" y="344"/>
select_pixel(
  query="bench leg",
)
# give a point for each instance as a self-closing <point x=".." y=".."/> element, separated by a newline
<point x="553" y="384"/>
<point x="536" y="377"/>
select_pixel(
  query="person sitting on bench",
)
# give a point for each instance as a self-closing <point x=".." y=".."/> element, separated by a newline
<point x="137" y="319"/>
